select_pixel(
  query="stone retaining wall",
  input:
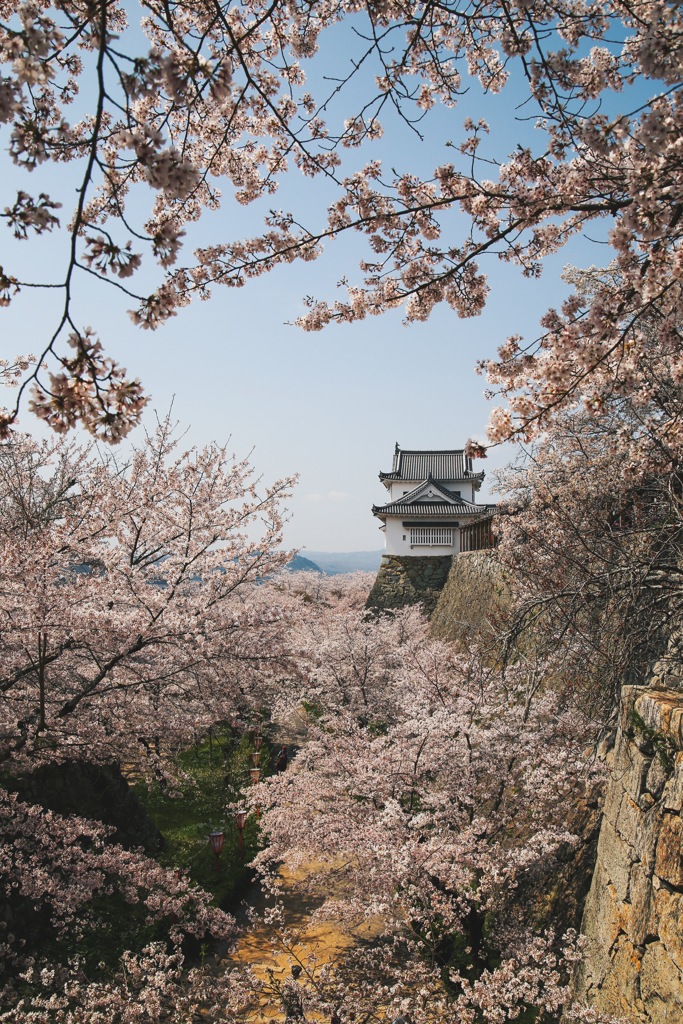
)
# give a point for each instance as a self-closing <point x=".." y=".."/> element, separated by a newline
<point x="633" y="918"/>
<point x="404" y="580"/>
<point x="92" y="791"/>
<point x="474" y="596"/>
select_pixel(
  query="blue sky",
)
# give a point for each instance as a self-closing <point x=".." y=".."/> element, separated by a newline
<point x="328" y="406"/>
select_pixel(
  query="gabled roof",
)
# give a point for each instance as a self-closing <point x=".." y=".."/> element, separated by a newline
<point x="430" y="488"/>
<point x="444" y="503"/>
<point x="428" y="511"/>
<point x="442" y="465"/>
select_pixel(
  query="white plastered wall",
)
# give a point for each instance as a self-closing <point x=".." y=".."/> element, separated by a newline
<point x="395" y="544"/>
<point x="400" y="487"/>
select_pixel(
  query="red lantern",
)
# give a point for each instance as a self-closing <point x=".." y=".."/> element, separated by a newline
<point x="240" y="821"/>
<point x="255" y="775"/>
<point x="258" y="742"/>
<point x="216" y="844"/>
<point x="255" y="758"/>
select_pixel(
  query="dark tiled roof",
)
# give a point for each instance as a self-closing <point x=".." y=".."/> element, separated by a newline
<point x="427" y="488"/>
<point x="440" y="509"/>
<point x="417" y="502"/>
<point x="423" y="510"/>
<point x="442" y="465"/>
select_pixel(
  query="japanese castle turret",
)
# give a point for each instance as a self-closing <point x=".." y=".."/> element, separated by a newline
<point x="432" y="509"/>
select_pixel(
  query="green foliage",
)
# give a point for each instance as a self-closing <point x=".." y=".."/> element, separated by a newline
<point x="652" y="742"/>
<point x="313" y="711"/>
<point x="215" y="774"/>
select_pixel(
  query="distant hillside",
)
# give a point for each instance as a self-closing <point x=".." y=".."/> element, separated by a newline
<point x="301" y="564"/>
<point x="337" y="562"/>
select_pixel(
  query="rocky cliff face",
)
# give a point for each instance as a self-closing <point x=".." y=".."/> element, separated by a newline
<point x="633" y="918"/>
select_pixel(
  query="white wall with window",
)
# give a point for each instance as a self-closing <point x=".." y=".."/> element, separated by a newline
<point x="420" y="540"/>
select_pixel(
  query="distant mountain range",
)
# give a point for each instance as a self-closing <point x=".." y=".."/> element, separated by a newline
<point x="334" y="563"/>
<point x="301" y="564"/>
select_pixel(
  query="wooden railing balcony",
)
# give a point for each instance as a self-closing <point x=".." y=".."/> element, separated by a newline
<point x="478" y="536"/>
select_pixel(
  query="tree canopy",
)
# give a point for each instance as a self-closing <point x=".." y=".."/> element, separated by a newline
<point x="141" y="598"/>
<point x="189" y="101"/>
<point x="130" y="597"/>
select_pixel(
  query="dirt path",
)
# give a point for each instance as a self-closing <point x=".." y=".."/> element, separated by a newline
<point x="261" y="949"/>
<point x="304" y="890"/>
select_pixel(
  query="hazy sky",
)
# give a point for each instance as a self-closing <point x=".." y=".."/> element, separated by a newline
<point x="328" y="406"/>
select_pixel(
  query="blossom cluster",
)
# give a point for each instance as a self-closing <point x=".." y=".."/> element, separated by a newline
<point x="132" y="595"/>
<point x="431" y="793"/>
<point x="218" y="95"/>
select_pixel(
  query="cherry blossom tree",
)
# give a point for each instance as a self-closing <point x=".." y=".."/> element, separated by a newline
<point x="134" y="615"/>
<point x="347" y="656"/>
<point x="54" y="867"/>
<point x="432" y="792"/>
<point x="590" y="527"/>
<point x="130" y="596"/>
<point x="186" y="102"/>
<point x="593" y="546"/>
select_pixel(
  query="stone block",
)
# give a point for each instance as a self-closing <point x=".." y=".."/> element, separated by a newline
<point x="668" y="910"/>
<point x="629" y="820"/>
<point x="629" y="696"/>
<point x="603" y="917"/>
<point x="404" y="580"/>
<point x="651" y="709"/>
<point x="657" y="777"/>
<point x="633" y="917"/>
<point x="614" y="795"/>
<point x="616" y="859"/>
<point x="622" y="754"/>
<point x="673" y="790"/>
<point x="633" y="770"/>
<point x="676" y="726"/>
<point x="661" y="986"/>
<point x="662" y="712"/>
<point x="620" y="993"/>
<point x="642" y="899"/>
<point x="669" y="856"/>
<point x="647" y="835"/>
